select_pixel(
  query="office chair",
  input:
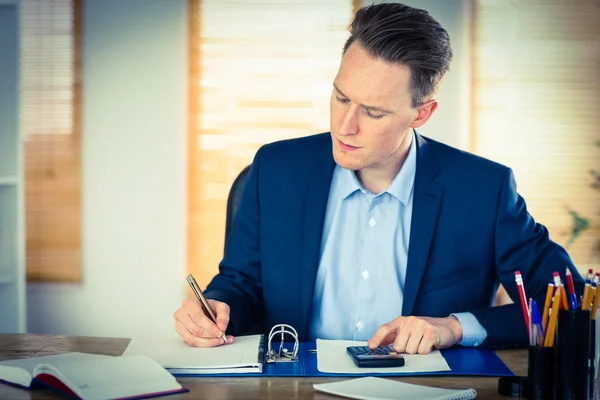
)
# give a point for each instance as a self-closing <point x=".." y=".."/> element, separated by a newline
<point x="234" y="198"/>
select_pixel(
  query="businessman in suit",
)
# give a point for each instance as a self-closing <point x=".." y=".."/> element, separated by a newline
<point x="372" y="231"/>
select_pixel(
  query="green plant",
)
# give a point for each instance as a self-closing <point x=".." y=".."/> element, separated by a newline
<point x="580" y="223"/>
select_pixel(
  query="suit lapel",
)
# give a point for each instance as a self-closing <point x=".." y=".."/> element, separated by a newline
<point x="315" y="205"/>
<point x="426" y="204"/>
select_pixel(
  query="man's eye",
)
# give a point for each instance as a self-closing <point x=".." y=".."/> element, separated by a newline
<point x="373" y="116"/>
<point x="342" y="100"/>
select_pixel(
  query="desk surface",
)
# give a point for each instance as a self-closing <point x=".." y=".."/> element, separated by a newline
<point x="28" y="345"/>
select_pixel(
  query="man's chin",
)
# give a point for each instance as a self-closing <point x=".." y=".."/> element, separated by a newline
<point x="346" y="162"/>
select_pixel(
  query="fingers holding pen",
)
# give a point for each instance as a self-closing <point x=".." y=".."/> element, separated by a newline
<point x="222" y="313"/>
<point x="197" y="329"/>
<point x="198" y="341"/>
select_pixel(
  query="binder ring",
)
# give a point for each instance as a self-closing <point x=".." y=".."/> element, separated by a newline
<point x="283" y="355"/>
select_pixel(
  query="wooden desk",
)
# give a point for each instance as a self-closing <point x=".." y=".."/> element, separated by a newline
<point x="28" y="345"/>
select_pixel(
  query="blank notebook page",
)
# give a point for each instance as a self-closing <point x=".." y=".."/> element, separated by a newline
<point x="372" y="388"/>
<point x="111" y="377"/>
<point x="24" y="374"/>
<point x="172" y="352"/>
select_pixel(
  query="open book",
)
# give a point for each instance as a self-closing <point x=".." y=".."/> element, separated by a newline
<point x="244" y="355"/>
<point x="91" y="376"/>
<point x="372" y="388"/>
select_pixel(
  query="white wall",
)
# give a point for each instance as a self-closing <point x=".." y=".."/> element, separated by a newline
<point x="134" y="175"/>
<point x="450" y="124"/>
<point x="12" y="243"/>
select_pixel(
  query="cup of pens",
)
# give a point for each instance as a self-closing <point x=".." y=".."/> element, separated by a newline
<point x="562" y="341"/>
<point x="576" y="342"/>
<point x="541" y="371"/>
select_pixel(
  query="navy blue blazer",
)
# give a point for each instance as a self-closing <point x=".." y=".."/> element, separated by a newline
<point x="470" y="231"/>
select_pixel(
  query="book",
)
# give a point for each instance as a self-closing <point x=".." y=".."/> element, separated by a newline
<point x="244" y="355"/>
<point x="92" y="376"/>
<point x="373" y="388"/>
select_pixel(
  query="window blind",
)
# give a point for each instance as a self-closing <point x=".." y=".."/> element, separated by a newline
<point x="261" y="70"/>
<point x="50" y="35"/>
<point x="536" y="96"/>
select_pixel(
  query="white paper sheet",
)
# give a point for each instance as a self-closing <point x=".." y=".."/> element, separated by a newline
<point x="179" y="358"/>
<point x="333" y="358"/>
<point x="371" y="388"/>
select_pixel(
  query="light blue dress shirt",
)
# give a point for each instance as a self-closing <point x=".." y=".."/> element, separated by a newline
<point x="364" y="252"/>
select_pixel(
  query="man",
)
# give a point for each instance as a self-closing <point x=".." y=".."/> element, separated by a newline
<point x="373" y="231"/>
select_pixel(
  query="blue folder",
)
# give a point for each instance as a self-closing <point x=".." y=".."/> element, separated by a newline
<point x="467" y="361"/>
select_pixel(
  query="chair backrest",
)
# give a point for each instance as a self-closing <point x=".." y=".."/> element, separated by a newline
<point x="234" y="198"/>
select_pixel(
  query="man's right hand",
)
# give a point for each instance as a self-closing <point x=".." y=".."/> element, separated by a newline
<point x="196" y="329"/>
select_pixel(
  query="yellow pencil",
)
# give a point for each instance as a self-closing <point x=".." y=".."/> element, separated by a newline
<point x="595" y="296"/>
<point x="563" y="296"/>
<point x="547" y="305"/>
<point x="585" y="302"/>
<point x="549" y="339"/>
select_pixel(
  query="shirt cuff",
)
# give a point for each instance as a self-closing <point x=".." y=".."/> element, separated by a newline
<point x="473" y="333"/>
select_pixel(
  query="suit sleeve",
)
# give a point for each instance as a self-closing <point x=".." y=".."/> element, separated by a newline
<point x="522" y="245"/>
<point x="238" y="282"/>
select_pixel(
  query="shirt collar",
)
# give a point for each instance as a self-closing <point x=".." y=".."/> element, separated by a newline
<point x="402" y="185"/>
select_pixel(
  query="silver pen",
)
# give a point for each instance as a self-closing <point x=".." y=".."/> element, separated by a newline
<point x="203" y="302"/>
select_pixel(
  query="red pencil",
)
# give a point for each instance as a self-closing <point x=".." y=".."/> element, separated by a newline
<point x="570" y="282"/>
<point x="523" y="298"/>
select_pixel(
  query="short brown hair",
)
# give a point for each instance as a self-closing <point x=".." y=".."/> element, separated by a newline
<point x="398" y="33"/>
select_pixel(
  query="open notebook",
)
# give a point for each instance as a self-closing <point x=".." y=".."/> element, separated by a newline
<point x="244" y="355"/>
<point x="91" y="376"/>
<point x="372" y="388"/>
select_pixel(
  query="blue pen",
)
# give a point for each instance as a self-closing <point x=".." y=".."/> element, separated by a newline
<point x="536" y="323"/>
<point x="573" y="301"/>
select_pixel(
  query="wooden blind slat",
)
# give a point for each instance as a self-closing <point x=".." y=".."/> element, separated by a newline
<point x="262" y="71"/>
<point x="50" y="32"/>
<point x="536" y="96"/>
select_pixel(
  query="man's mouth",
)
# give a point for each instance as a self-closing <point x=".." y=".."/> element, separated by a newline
<point x="346" y="147"/>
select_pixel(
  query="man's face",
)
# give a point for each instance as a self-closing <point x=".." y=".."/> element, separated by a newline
<point x="371" y="112"/>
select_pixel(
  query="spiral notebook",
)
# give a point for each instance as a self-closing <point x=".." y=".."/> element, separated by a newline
<point x="372" y="388"/>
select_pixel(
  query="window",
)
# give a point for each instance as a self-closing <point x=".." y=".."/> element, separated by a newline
<point x="50" y="35"/>
<point x="536" y="94"/>
<point x="260" y="71"/>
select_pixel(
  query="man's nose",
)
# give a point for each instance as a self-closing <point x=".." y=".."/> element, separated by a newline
<point x="350" y="122"/>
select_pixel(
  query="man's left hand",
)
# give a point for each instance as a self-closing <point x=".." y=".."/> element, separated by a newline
<point x="420" y="335"/>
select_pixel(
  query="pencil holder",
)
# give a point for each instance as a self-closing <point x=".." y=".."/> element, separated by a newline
<point x="592" y="361"/>
<point x="574" y="374"/>
<point x="541" y="377"/>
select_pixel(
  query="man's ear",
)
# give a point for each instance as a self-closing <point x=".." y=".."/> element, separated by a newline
<point x="424" y="112"/>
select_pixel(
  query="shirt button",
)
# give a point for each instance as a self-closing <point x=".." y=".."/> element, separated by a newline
<point x="360" y="326"/>
<point x="365" y="274"/>
<point x="372" y="222"/>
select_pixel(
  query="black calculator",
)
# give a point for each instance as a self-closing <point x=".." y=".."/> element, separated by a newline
<point x="382" y="356"/>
